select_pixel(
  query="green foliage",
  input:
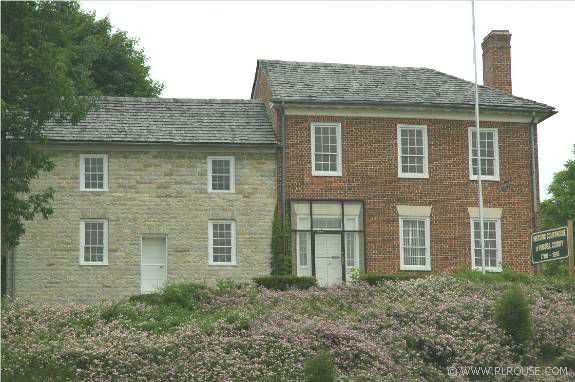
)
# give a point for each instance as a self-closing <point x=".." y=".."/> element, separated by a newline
<point x="320" y="368"/>
<point x="355" y="276"/>
<point x="226" y="284"/>
<point x="560" y="207"/>
<point x="285" y="282"/>
<point x="375" y="278"/>
<point x="281" y="263"/>
<point x="513" y="315"/>
<point x="186" y="295"/>
<point x="54" y="58"/>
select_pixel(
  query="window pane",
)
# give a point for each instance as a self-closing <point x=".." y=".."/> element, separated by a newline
<point x="490" y="240"/>
<point x="414" y="242"/>
<point x="303" y="248"/>
<point x="326" y="148"/>
<point x="94" y="241"/>
<point x="93" y="173"/>
<point x="351" y="244"/>
<point x="221" y="174"/>
<point x="412" y="151"/>
<point x="487" y="151"/>
<point x="222" y="242"/>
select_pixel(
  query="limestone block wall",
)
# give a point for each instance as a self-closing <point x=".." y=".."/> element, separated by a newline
<point x="151" y="191"/>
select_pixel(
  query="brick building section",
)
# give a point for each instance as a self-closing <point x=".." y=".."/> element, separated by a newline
<point x="497" y="60"/>
<point x="369" y="173"/>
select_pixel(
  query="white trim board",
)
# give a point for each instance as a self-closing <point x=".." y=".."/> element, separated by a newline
<point x="410" y="112"/>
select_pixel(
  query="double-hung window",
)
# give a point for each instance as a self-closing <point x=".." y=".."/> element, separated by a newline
<point x="489" y="150"/>
<point x="221" y="174"/>
<point x="326" y="149"/>
<point x="492" y="240"/>
<point x="93" y="172"/>
<point x="412" y="151"/>
<point x="94" y="242"/>
<point x="222" y="242"/>
<point x="414" y="237"/>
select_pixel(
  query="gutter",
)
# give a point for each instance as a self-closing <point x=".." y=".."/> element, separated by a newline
<point x="283" y="169"/>
<point x="535" y="206"/>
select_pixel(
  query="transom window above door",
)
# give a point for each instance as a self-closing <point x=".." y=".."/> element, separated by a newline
<point x="93" y="172"/>
<point x="412" y="151"/>
<point x="326" y="149"/>
<point x="221" y="174"/>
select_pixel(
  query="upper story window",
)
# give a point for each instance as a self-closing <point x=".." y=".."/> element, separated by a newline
<point x="489" y="150"/>
<point x="94" y="242"/>
<point x="412" y="151"/>
<point x="93" y="172"/>
<point x="326" y="149"/>
<point x="221" y="174"/>
<point x="222" y="245"/>
<point x="492" y="240"/>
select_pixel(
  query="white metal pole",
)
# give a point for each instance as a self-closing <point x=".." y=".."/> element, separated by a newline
<point x="478" y="146"/>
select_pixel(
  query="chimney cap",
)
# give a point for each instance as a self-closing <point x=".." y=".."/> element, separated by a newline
<point x="500" y="32"/>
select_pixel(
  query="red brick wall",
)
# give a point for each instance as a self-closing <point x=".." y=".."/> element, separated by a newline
<point x="369" y="148"/>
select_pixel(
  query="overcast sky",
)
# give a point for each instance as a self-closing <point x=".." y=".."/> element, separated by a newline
<point x="209" y="49"/>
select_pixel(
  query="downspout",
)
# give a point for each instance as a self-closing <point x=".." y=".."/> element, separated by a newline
<point x="535" y="207"/>
<point x="283" y="171"/>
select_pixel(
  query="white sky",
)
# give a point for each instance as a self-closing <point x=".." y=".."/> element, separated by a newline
<point x="209" y="49"/>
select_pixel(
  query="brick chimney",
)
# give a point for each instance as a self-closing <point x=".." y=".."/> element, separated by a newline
<point x="497" y="60"/>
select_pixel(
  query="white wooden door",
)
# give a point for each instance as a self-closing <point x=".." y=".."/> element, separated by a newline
<point x="153" y="264"/>
<point x="328" y="259"/>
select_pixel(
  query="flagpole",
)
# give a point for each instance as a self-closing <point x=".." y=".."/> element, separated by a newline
<point x="478" y="148"/>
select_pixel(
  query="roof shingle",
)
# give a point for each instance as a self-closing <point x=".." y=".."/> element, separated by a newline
<point x="170" y="120"/>
<point x="332" y="83"/>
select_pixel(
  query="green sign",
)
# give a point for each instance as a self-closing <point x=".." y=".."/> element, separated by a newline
<point x="549" y="245"/>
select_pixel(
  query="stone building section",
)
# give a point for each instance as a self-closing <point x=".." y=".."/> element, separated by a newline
<point x="159" y="187"/>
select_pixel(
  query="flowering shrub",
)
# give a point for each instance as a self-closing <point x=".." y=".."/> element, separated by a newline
<point x="397" y="330"/>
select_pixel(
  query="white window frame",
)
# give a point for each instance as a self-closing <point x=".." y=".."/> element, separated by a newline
<point x="337" y="126"/>
<point x="499" y="259"/>
<point x="83" y="240"/>
<point x="495" y="176"/>
<point x="83" y="171"/>
<point x="400" y="172"/>
<point x="232" y="160"/>
<point x="211" y="242"/>
<point x="427" y="266"/>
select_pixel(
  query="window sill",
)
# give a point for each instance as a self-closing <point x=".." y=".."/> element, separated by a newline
<point x="223" y="264"/>
<point x="94" y="189"/>
<point x="332" y="174"/>
<point x="487" y="178"/>
<point x="414" y="268"/>
<point x="93" y="264"/>
<point x="413" y="176"/>
<point x="221" y="192"/>
<point x="487" y="269"/>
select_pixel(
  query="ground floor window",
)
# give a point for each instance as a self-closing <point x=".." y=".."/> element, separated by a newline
<point x="415" y="243"/>
<point x="222" y="237"/>
<point x="327" y="239"/>
<point x="94" y="242"/>
<point x="492" y="240"/>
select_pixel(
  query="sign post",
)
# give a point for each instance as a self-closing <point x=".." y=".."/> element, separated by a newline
<point x="570" y="247"/>
<point x="550" y="245"/>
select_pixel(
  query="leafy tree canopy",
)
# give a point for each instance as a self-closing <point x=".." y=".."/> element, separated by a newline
<point x="560" y="207"/>
<point x="53" y="53"/>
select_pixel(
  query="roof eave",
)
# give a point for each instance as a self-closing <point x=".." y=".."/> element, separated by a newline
<point x="544" y="112"/>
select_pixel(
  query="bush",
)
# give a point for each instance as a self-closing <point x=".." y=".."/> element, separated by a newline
<point x="375" y="278"/>
<point x="285" y="282"/>
<point x="513" y="315"/>
<point x="186" y="295"/>
<point x="320" y="368"/>
<point x="507" y="275"/>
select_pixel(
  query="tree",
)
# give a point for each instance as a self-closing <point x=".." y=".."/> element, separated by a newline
<point x="55" y="60"/>
<point x="560" y="207"/>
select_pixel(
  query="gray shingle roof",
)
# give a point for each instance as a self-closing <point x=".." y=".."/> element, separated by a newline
<point x="332" y="83"/>
<point x="170" y="120"/>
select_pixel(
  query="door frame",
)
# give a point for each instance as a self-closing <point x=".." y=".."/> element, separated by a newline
<point x="154" y="236"/>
